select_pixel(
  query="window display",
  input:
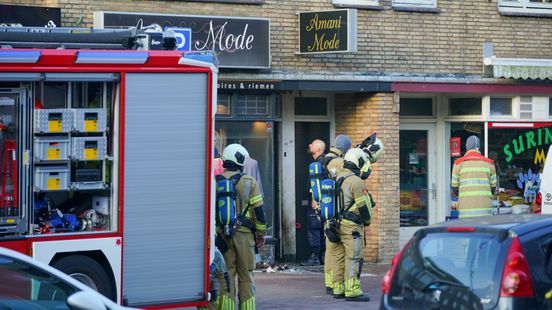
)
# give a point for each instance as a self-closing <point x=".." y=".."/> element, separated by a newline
<point x="257" y="138"/>
<point x="519" y="152"/>
<point x="413" y="178"/>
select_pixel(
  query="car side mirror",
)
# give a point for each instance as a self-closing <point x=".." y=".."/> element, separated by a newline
<point x="85" y="301"/>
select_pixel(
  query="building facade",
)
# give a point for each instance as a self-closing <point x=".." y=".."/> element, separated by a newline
<point x="423" y="74"/>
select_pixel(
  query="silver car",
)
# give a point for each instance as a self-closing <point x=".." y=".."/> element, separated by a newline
<point x="26" y="283"/>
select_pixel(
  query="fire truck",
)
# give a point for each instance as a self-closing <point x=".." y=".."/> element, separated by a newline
<point x="106" y="161"/>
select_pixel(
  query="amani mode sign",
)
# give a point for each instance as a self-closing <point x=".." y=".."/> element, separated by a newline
<point x="328" y="31"/>
<point x="239" y="42"/>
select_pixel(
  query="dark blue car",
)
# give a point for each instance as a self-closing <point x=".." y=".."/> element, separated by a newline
<point x="495" y="262"/>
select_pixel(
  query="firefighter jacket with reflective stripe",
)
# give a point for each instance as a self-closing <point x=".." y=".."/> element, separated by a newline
<point x="353" y="195"/>
<point x="334" y="162"/>
<point x="474" y="175"/>
<point x="247" y="191"/>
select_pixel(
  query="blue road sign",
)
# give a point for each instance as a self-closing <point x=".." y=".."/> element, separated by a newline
<point x="183" y="38"/>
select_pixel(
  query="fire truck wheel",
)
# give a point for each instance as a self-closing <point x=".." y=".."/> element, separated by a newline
<point x="87" y="271"/>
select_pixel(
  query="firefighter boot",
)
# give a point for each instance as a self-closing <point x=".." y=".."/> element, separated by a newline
<point x="312" y="261"/>
<point x="361" y="298"/>
<point x="338" y="290"/>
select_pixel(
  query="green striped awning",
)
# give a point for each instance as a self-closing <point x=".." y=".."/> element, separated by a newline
<point x="522" y="68"/>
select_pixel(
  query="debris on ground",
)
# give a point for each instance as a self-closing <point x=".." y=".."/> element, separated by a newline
<point x="278" y="268"/>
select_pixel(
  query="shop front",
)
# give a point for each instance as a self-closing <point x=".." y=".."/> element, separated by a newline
<point x="248" y="113"/>
<point x="512" y="123"/>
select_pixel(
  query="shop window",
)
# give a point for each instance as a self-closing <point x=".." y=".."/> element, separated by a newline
<point x="525" y="108"/>
<point x="252" y="105"/>
<point x="463" y="130"/>
<point x="465" y="106"/>
<point x="416" y="107"/>
<point x="311" y="106"/>
<point x="258" y="138"/>
<point x="501" y="106"/>
<point x="550" y="106"/>
<point x="235" y="105"/>
<point x="519" y="155"/>
<point x="223" y="104"/>
<point x="525" y="6"/>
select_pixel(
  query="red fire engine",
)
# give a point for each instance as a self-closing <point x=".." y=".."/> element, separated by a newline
<point x="106" y="158"/>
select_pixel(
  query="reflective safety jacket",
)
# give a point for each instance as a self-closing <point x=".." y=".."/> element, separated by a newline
<point x="357" y="206"/>
<point x="247" y="192"/>
<point x="334" y="162"/>
<point x="474" y="175"/>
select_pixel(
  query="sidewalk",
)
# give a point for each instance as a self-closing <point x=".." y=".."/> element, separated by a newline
<point x="303" y="288"/>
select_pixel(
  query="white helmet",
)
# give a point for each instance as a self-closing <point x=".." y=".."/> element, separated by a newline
<point x="359" y="160"/>
<point x="235" y="153"/>
<point x="374" y="150"/>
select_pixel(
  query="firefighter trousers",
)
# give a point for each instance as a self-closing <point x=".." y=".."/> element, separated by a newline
<point x="348" y="254"/>
<point x="329" y="262"/>
<point x="240" y="262"/>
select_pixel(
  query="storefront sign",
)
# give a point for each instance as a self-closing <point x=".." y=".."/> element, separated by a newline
<point x="239" y="42"/>
<point x="538" y="139"/>
<point x="29" y="16"/>
<point x="327" y="31"/>
<point x="248" y="85"/>
<point x="455" y="147"/>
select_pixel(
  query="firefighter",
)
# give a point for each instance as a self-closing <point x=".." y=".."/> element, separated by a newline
<point x="218" y="278"/>
<point x="315" y="234"/>
<point x="356" y="213"/>
<point x="246" y="232"/>
<point x="473" y="176"/>
<point x="333" y="164"/>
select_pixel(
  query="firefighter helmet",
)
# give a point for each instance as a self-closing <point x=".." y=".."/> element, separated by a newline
<point x="357" y="160"/>
<point x="374" y="150"/>
<point x="235" y="153"/>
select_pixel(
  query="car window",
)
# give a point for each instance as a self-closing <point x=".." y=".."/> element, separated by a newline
<point x="23" y="286"/>
<point x="462" y="264"/>
<point x="545" y="244"/>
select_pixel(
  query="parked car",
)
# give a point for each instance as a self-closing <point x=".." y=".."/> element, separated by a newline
<point x="29" y="284"/>
<point x="492" y="262"/>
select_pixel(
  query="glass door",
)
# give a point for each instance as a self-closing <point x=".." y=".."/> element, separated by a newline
<point x="418" y="188"/>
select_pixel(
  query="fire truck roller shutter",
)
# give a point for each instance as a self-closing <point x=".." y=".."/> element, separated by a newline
<point x="165" y="187"/>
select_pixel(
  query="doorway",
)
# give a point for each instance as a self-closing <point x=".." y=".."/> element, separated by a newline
<point x="305" y="133"/>
<point x="418" y="185"/>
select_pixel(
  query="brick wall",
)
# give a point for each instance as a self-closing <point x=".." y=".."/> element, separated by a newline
<point x="388" y="41"/>
<point x="359" y="115"/>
